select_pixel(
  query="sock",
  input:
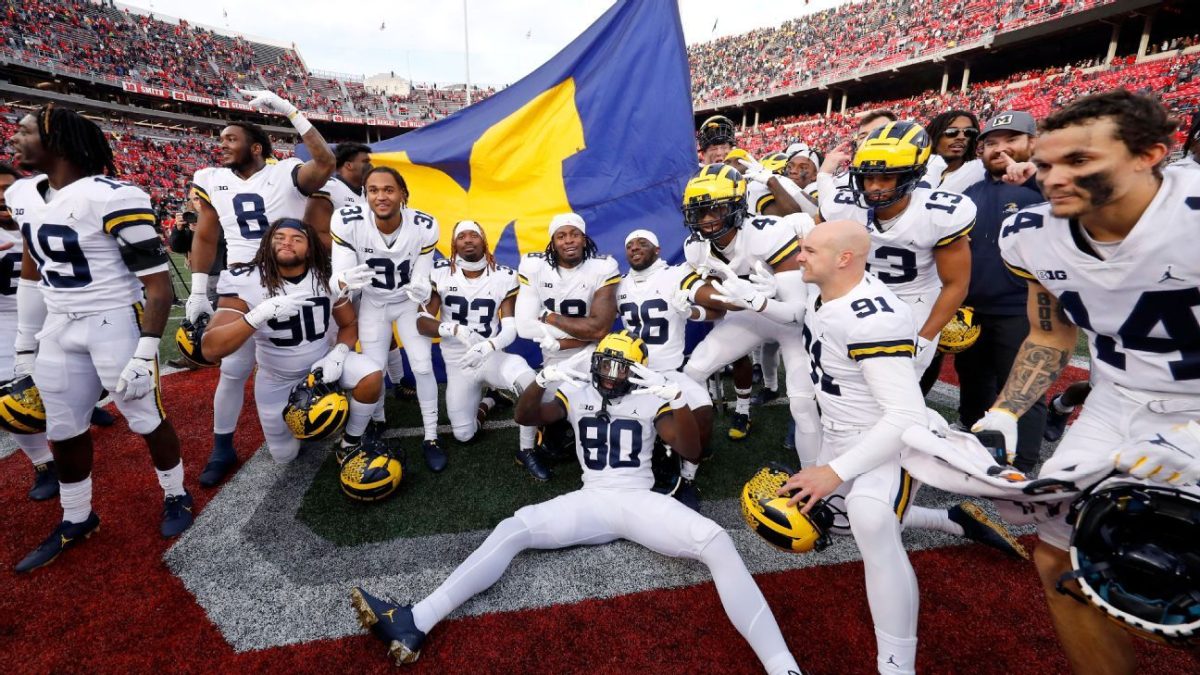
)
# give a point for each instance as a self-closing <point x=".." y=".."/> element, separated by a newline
<point x="770" y="365"/>
<point x="427" y="393"/>
<point x="528" y="437"/>
<point x="688" y="469"/>
<point x="808" y="428"/>
<point x="1059" y="408"/>
<point x="742" y="407"/>
<point x="925" y="518"/>
<point x="896" y="655"/>
<point x="360" y="414"/>
<point x="223" y="446"/>
<point x="476" y="574"/>
<point x="395" y="366"/>
<point x="35" y="447"/>
<point x="771" y="379"/>
<point x="227" y="403"/>
<point x="378" y="414"/>
<point x="488" y="402"/>
<point x="76" y="499"/>
<point x="171" y="480"/>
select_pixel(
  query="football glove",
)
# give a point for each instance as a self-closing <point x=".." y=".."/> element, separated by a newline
<point x="268" y="102"/>
<point x="763" y="280"/>
<point x="551" y="374"/>
<point x="137" y="379"/>
<point x="196" y="306"/>
<point x="1171" y="456"/>
<point x="739" y="293"/>
<point x="680" y="302"/>
<point x="548" y="342"/>
<point x="926" y="350"/>
<point x="1002" y="422"/>
<point x="476" y="355"/>
<point x="277" y="308"/>
<point x="755" y="171"/>
<point x="332" y="363"/>
<point x="653" y="383"/>
<point x="418" y="290"/>
<point x="356" y="277"/>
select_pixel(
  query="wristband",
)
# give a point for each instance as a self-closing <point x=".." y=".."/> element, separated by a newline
<point x="200" y="283"/>
<point x="300" y="122"/>
<point x="678" y="402"/>
<point x="447" y="329"/>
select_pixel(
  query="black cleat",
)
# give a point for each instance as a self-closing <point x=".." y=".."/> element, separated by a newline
<point x="177" y="515"/>
<point x="435" y="457"/>
<point x="216" y="470"/>
<point x="1056" y="422"/>
<point x="739" y="427"/>
<point x="65" y="536"/>
<point x="978" y="527"/>
<point x="374" y="430"/>
<point x="688" y="494"/>
<point x="528" y="459"/>
<point x="391" y="623"/>
<point x="500" y="397"/>
<point x="45" y="482"/>
<point x="764" y="395"/>
<point x="404" y="392"/>
<point x="102" y="418"/>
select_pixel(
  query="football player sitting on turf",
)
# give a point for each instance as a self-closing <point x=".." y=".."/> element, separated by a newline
<point x="283" y="301"/>
<point x="615" y="424"/>
<point x="476" y="297"/>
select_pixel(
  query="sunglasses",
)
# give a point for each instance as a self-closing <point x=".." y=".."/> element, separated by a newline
<point x="953" y="132"/>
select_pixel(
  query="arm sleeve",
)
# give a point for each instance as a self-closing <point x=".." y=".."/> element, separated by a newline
<point x="893" y="383"/>
<point x="825" y="191"/>
<point x="526" y="314"/>
<point x="791" y="299"/>
<point x="31" y="314"/>
<point x="508" y="333"/>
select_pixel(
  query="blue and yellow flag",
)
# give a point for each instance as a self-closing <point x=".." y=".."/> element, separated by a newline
<point x="603" y="129"/>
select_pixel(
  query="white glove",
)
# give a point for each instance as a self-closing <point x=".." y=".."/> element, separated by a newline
<point x="196" y="306"/>
<point x="552" y="374"/>
<point x="763" y="280"/>
<point x="926" y="350"/>
<point x="1003" y="422"/>
<point x="277" y="308"/>
<point x="703" y="252"/>
<point x="356" y="277"/>
<point x="1171" y="456"/>
<point x="466" y="336"/>
<point x="756" y="172"/>
<point x="331" y="364"/>
<point x="739" y="293"/>
<point x="418" y="290"/>
<point x="477" y="354"/>
<point x="268" y="101"/>
<point x="23" y="364"/>
<point x="680" y="302"/>
<point x="548" y="342"/>
<point x="137" y="379"/>
<point x="653" y="383"/>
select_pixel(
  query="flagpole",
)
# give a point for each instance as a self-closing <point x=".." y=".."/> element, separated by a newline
<point x="467" y="51"/>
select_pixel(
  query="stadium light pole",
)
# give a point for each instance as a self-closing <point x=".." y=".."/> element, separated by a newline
<point x="467" y="51"/>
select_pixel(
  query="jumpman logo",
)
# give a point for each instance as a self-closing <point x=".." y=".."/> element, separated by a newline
<point x="892" y="660"/>
<point x="104" y="322"/>
<point x="1168" y="276"/>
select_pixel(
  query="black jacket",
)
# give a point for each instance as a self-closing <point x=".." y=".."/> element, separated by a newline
<point x="993" y="289"/>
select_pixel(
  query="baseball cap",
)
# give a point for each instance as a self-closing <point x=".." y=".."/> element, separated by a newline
<point x="1011" y="120"/>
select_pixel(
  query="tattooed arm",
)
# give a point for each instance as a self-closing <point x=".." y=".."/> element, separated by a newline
<point x="1042" y="356"/>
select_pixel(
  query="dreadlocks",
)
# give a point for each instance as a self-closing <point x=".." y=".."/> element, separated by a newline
<point x="589" y="251"/>
<point x="256" y="134"/>
<point x="76" y="139"/>
<point x="317" y="259"/>
<point x="487" y="253"/>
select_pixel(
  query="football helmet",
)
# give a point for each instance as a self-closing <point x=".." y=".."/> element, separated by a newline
<point x="960" y="333"/>
<point x="1133" y="552"/>
<point x="188" y="337"/>
<point x="315" y="410"/>
<point x="714" y="130"/>
<point x="612" y="361"/>
<point x="783" y="526"/>
<point x="21" y="410"/>
<point x="373" y="472"/>
<point x="720" y="188"/>
<point x="775" y="162"/>
<point x="897" y="149"/>
<point x="737" y="153"/>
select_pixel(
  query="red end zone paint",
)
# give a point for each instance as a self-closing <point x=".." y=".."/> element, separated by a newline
<point x="112" y="605"/>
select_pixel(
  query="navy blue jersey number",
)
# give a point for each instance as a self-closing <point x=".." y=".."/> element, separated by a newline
<point x="251" y="215"/>
<point x="59" y="244"/>
<point x="819" y="376"/>
<point x="309" y="325"/>
<point x="1174" y="310"/>
<point x="648" y="320"/>
<point x="484" y="310"/>
<point x="388" y="275"/>
<point x="10" y="272"/>
<point x="610" y="443"/>
<point x="571" y="307"/>
<point x="894" y="265"/>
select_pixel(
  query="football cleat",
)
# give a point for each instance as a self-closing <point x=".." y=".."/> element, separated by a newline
<point x="65" y="536"/>
<point x="45" y="482"/>
<point x="391" y="623"/>
<point x="528" y="459"/>
<point x="216" y="470"/>
<point x="343" y="452"/>
<point x="500" y="397"/>
<point x="435" y="457"/>
<point x="102" y="418"/>
<point x="688" y="494"/>
<point x="789" y="440"/>
<point x="1056" y="422"/>
<point x="739" y="427"/>
<point x="764" y="395"/>
<point x="978" y="527"/>
<point x="177" y="515"/>
<point x="404" y="392"/>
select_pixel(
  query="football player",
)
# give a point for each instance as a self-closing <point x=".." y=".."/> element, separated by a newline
<point x="567" y="301"/>
<point x="45" y="478"/>
<point x="477" y="299"/>
<point x="919" y="245"/>
<point x="240" y="199"/>
<point x="386" y="251"/>
<point x="954" y="165"/>
<point x="771" y="193"/>
<point x="860" y="339"/>
<point x="1114" y="253"/>
<point x="91" y="307"/>
<point x="283" y="303"/>
<point x="802" y="165"/>
<point x="715" y="138"/>
<point x="650" y="304"/>
<point x="615" y="426"/>
<point x="727" y="246"/>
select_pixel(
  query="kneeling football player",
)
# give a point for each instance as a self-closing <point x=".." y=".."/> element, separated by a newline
<point x="615" y="425"/>
<point x="283" y="300"/>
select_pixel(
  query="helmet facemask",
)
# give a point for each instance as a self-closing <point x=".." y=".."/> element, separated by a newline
<point x="730" y="212"/>
<point x="610" y="375"/>
<point x="906" y="181"/>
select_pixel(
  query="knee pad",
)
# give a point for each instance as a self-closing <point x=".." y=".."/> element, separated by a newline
<point x="464" y="433"/>
<point x="237" y="370"/>
<point x="870" y="519"/>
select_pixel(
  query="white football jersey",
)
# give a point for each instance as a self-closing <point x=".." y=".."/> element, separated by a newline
<point x="567" y="291"/>
<point x="766" y="238"/>
<point x="614" y="452"/>
<point x="75" y="239"/>
<point x="340" y="194"/>
<point x="759" y="196"/>
<point x="474" y="303"/>
<point x="357" y="240"/>
<point x="868" y="322"/>
<point x="246" y="208"/>
<point x="10" y="270"/>
<point x="902" y="250"/>
<point x="1140" y="308"/>
<point x="644" y="304"/>
<point x="287" y="348"/>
